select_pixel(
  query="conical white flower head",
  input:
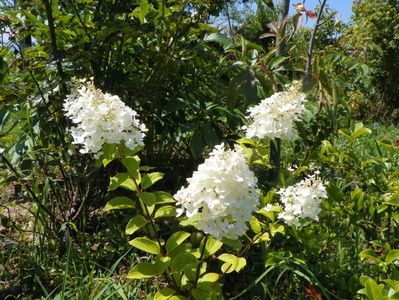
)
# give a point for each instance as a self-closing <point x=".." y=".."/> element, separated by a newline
<point x="223" y="192"/>
<point x="275" y="117"/>
<point x="302" y="200"/>
<point x="101" y="118"/>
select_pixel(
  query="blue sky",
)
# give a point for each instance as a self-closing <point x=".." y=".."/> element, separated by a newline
<point x="343" y="7"/>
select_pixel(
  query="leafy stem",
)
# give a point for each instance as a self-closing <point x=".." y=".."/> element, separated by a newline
<point x="201" y="260"/>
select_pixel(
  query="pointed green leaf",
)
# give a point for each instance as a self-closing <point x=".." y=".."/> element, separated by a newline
<point x="176" y="239"/>
<point x="122" y="180"/>
<point x="168" y="294"/>
<point x="212" y="245"/>
<point x="163" y="198"/>
<point x="162" y="263"/>
<point x="149" y="179"/>
<point x="277" y="61"/>
<point x="255" y="225"/>
<point x="164" y="294"/>
<point x="374" y="291"/>
<point x="276" y="228"/>
<point x="109" y="153"/>
<point x="232" y="262"/>
<point x="119" y="203"/>
<point x="135" y="224"/>
<point x="370" y="256"/>
<point x="392" y="256"/>
<point x="132" y="165"/>
<point x="202" y="292"/>
<point x="147" y="198"/>
<point x="146" y="245"/>
<point x="183" y="260"/>
<point x="227" y="257"/>
<point x="209" y="277"/>
<point x="143" y="270"/>
<point x="393" y="200"/>
<point x="359" y="131"/>
<point x="235" y="244"/>
<point x="142" y="11"/>
<point x="165" y="211"/>
<point x="190" y="221"/>
<point x="221" y="39"/>
<point x="197" y="144"/>
<point x="209" y="135"/>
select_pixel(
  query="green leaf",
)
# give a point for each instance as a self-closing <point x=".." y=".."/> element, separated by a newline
<point x="176" y="239"/>
<point x="146" y="245"/>
<point x="164" y="294"/>
<point x="163" y="198"/>
<point x="359" y="131"/>
<point x="4" y="115"/>
<point x="149" y="179"/>
<point x="357" y="197"/>
<point x="119" y="203"/>
<point x="132" y="165"/>
<point x="109" y="153"/>
<point x="209" y="135"/>
<point x="276" y="228"/>
<point x="3" y="69"/>
<point x="235" y="244"/>
<point x="162" y="263"/>
<point x="374" y="291"/>
<point x="190" y="221"/>
<point x="197" y="144"/>
<point x="246" y="141"/>
<point x="182" y="248"/>
<point x="345" y="132"/>
<point x="165" y="211"/>
<point x="232" y="262"/>
<point x="209" y="277"/>
<point x="392" y="256"/>
<point x="334" y="193"/>
<point x="135" y="224"/>
<point x="204" y="292"/>
<point x="190" y="270"/>
<point x="212" y="245"/>
<point x="277" y="61"/>
<point x="221" y="39"/>
<point x="255" y="225"/>
<point x="147" y="198"/>
<point x="264" y="237"/>
<point x="142" y="11"/>
<point x="142" y="270"/>
<point x="122" y="180"/>
<point x="370" y="256"/>
<point x="182" y="260"/>
<point x="393" y="200"/>
<point x="227" y="257"/>
<point x="168" y="294"/>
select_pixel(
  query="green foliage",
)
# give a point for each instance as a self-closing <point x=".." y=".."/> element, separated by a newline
<point x="192" y="85"/>
<point x="373" y="40"/>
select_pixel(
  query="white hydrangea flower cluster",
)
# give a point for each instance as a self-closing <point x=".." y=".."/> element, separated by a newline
<point x="223" y="192"/>
<point x="302" y="200"/>
<point x="275" y="117"/>
<point x="101" y="118"/>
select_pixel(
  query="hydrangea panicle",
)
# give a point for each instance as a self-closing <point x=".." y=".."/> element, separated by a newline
<point x="302" y="200"/>
<point x="223" y="191"/>
<point x="275" y="117"/>
<point x="101" y="118"/>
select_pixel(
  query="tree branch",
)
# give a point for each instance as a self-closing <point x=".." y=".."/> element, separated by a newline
<point x="308" y="70"/>
<point x="56" y="54"/>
